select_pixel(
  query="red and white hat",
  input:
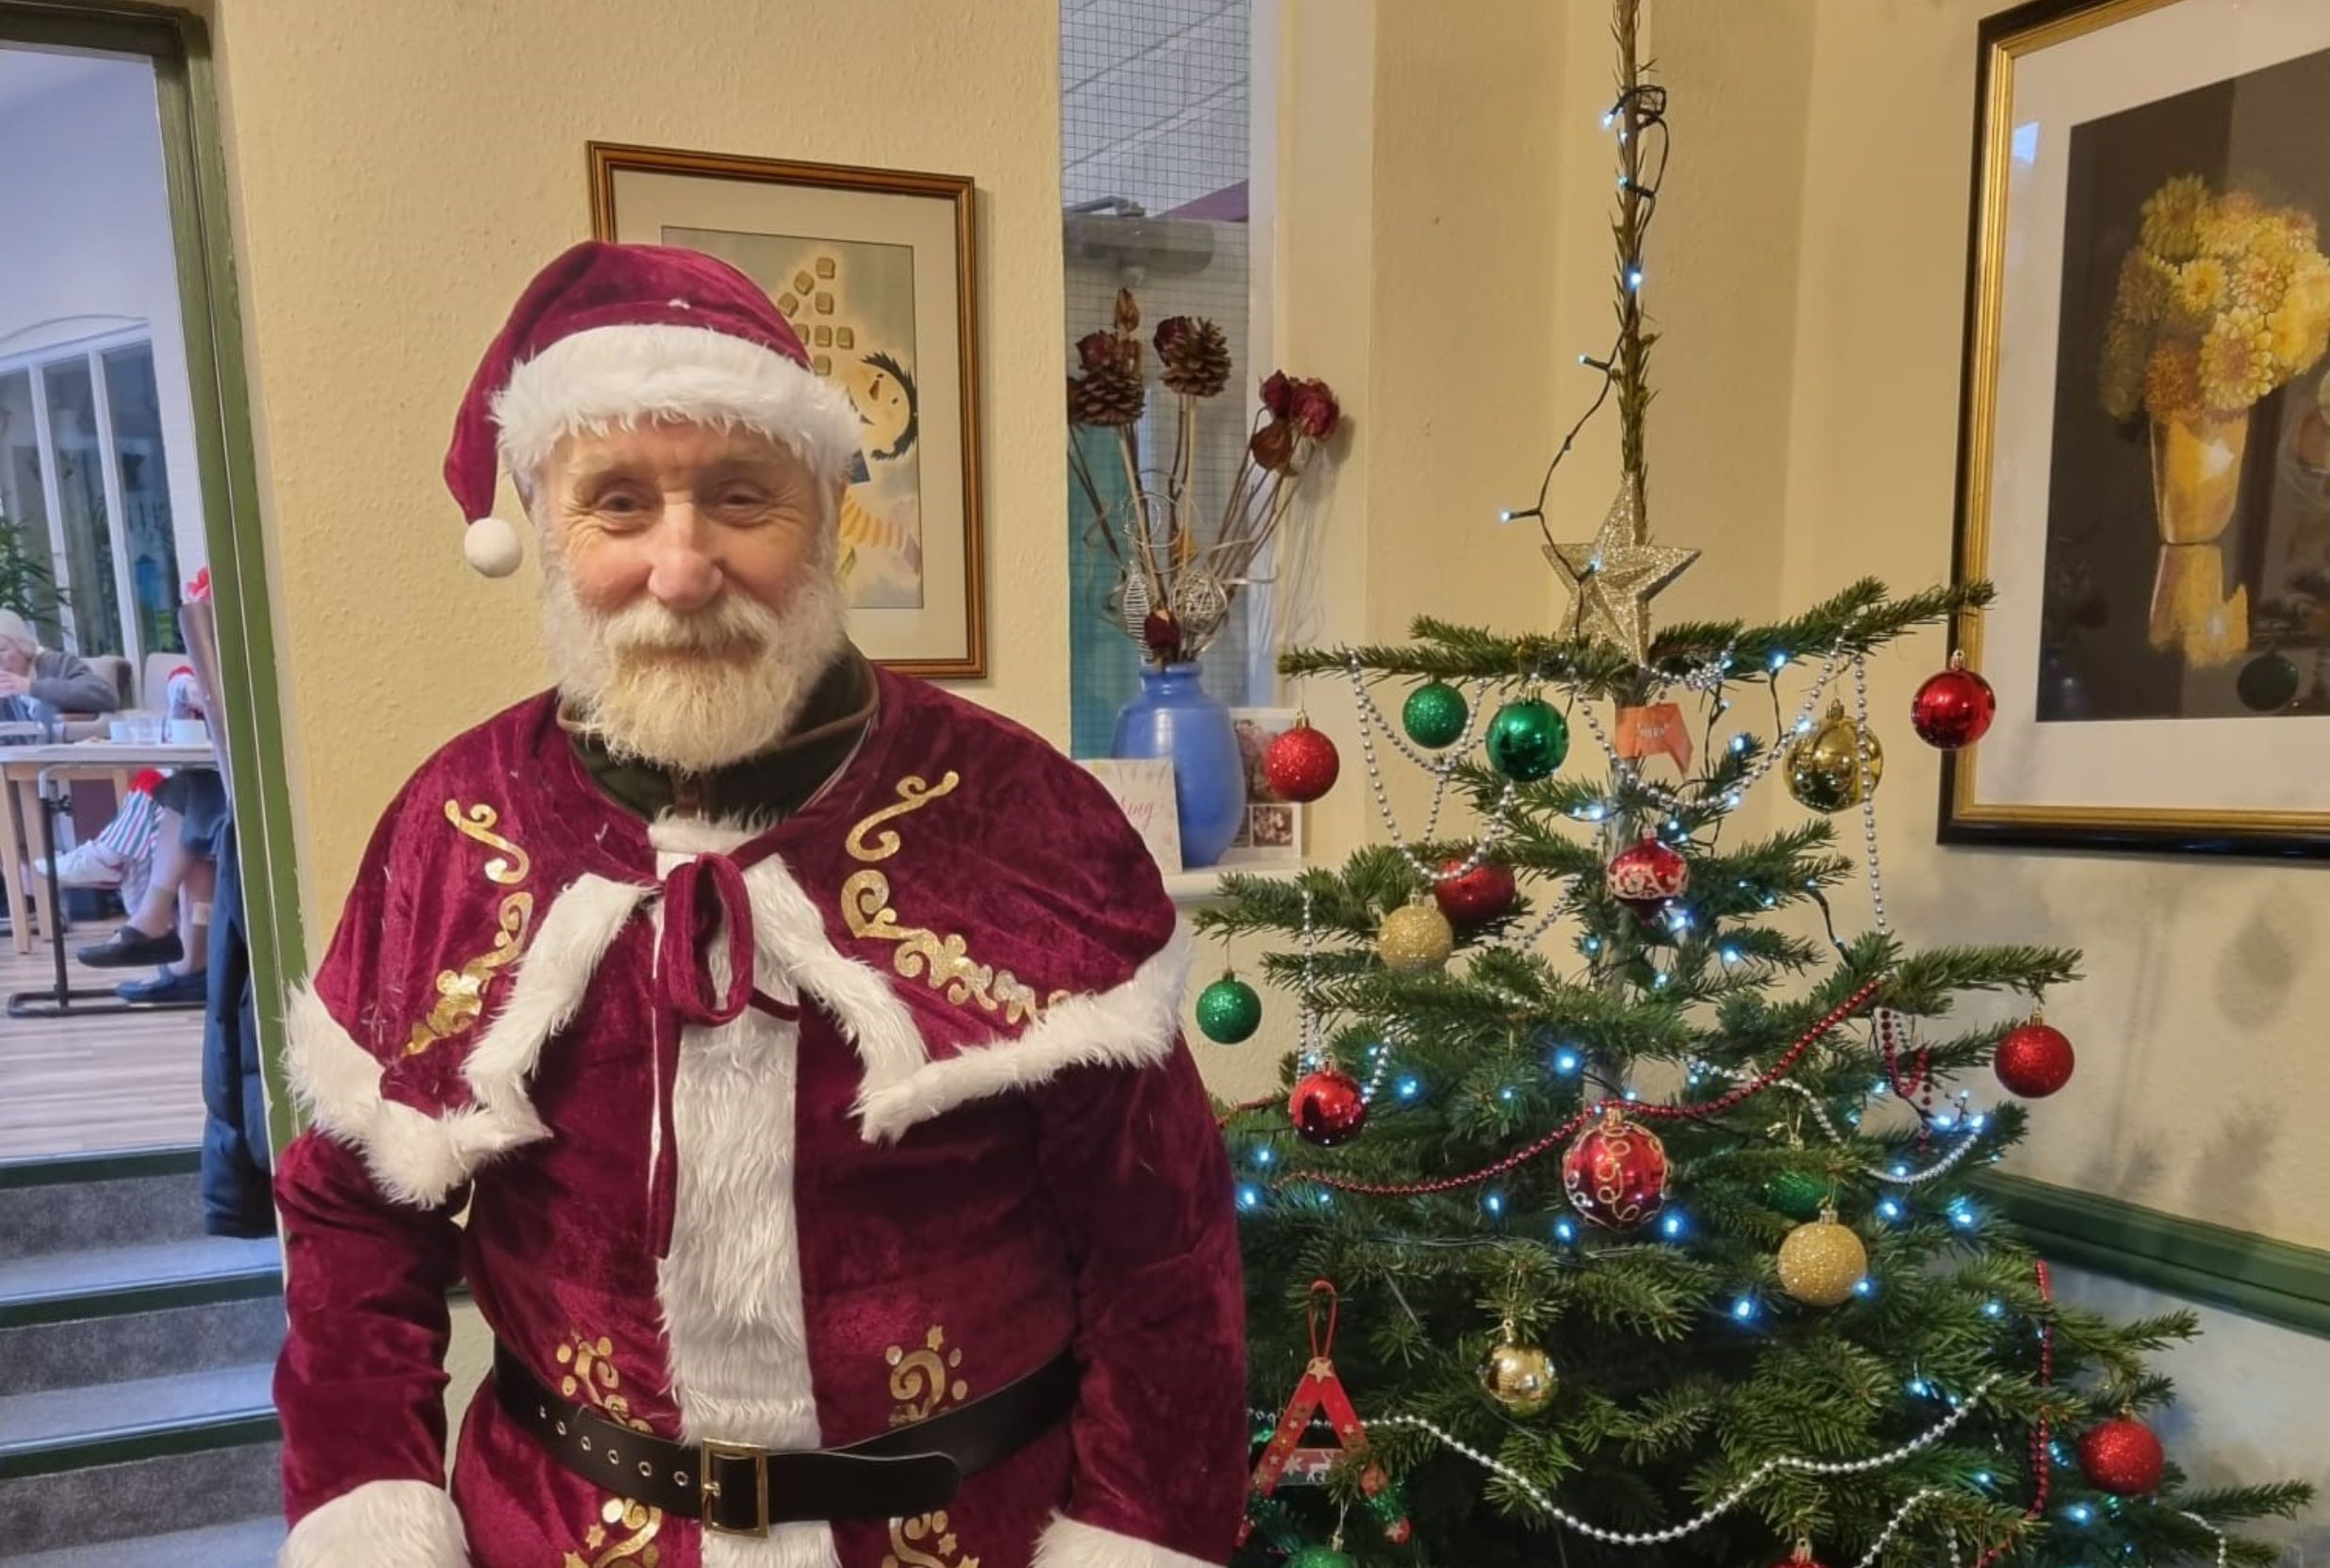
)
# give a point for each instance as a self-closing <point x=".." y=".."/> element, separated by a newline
<point x="611" y="334"/>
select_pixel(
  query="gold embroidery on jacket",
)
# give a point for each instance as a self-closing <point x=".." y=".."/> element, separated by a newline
<point x="636" y="1549"/>
<point x="624" y="1536"/>
<point x="923" y="1382"/>
<point x="461" y="993"/>
<point x="944" y="960"/>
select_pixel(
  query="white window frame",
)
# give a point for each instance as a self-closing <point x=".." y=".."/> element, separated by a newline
<point x="91" y="352"/>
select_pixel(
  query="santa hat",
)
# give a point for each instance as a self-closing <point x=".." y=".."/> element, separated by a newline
<point x="609" y="334"/>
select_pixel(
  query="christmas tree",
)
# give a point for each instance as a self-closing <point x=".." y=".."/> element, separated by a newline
<point x="1620" y="1205"/>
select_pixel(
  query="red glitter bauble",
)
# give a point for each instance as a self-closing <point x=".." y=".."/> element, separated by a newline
<point x="1648" y="876"/>
<point x="1326" y="1107"/>
<point x="1480" y="895"/>
<point x="1301" y="763"/>
<point x="2122" y="1457"/>
<point x="2034" y="1060"/>
<point x="1616" y="1173"/>
<point x="1953" y="709"/>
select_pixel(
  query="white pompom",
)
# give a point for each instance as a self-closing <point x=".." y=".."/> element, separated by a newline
<point x="493" y="546"/>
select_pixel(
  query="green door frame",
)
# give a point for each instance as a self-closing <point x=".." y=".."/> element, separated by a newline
<point x="186" y="91"/>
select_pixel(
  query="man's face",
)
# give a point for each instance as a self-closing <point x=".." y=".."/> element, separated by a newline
<point x="689" y="599"/>
<point x="14" y="661"/>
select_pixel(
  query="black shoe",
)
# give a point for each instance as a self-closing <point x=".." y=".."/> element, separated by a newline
<point x="130" y="948"/>
<point x="168" y="987"/>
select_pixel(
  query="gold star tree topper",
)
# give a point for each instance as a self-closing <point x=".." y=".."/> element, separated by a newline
<point x="1613" y="576"/>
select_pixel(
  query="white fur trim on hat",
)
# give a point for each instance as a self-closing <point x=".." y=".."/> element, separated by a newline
<point x="493" y="545"/>
<point x="619" y="375"/>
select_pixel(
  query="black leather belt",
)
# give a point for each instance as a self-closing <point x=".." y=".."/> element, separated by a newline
<point x="736" y="1489"/>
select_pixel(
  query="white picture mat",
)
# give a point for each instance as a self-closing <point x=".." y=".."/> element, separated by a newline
<point x="2215" y="764"/>
<point x="647" y="201"/>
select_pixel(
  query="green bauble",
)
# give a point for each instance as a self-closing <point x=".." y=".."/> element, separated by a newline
<point x="1434" y="715"/>
<point x="1527" y="740"/>
<point x="2266" y="684"/>
<point x="1229" y="1011"/>
<point x="1319" y="1557"/>
<point x="1797" y="1194"/>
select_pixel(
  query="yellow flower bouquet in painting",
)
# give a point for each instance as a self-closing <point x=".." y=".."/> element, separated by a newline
<point x="2222" y="299"/>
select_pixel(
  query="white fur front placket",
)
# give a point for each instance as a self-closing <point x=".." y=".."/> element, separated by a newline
<point x="730" y="1287"/>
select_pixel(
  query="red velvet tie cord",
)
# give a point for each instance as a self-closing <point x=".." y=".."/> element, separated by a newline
<point x="699" y="895"/>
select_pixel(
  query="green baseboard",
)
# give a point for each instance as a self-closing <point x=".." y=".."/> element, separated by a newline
<point x="2189" y="1258"/>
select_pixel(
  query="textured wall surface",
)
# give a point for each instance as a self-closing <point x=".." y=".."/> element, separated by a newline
<point x="399" y="172"/>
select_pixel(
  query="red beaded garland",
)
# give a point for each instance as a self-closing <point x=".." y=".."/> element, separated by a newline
<point x="2123" y="1457"/>
<point x="1327" y="1107"/>
<point x="1301" y="763"/>
<point x="1953" y="709"/>
<point x="1616" y="1173"/>
<point x="2034" y="1060"/>
<point x="1480" y="895"/>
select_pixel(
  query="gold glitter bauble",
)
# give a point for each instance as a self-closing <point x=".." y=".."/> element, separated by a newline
<point x="1414" y="938"/>
<point x="1820" y="1264"/>
<point x="1518" y="1377"/>
<point x="1828" y="768"/>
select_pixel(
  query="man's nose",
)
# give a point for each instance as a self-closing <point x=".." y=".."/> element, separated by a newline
<point x="682" y="575"/>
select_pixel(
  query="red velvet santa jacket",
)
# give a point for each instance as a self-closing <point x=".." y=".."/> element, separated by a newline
<point x="956" y="1131"/>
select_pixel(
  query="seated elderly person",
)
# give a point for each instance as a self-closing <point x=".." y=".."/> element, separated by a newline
<point x="36" y="684"/>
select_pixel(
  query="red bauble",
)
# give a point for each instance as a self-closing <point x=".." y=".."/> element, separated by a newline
<point x="1616" y="1173"/>
<point x="2034" y="1060"/>
<point x="2122" y="1457"/>
<point x="1480" y="895"/>
<point x="1328" y="1108"/>
<point x="1953" y="709"/>
<point x="1648" y="876"/>
<point x="1301" y="765"/>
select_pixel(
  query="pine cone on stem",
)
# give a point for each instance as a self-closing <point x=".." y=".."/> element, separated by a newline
<point x="1195" y="353"/>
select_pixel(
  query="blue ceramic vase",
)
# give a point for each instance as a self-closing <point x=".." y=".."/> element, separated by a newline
<point x="1175" y="718"/>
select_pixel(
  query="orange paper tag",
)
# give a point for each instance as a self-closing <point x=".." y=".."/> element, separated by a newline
<point x="1645" y="731"/>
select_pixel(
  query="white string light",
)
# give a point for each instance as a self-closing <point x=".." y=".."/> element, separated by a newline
<point x="1673" y="800"/>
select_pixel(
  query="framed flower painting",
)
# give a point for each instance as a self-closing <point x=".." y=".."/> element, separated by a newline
<point x="2145" y="451"/>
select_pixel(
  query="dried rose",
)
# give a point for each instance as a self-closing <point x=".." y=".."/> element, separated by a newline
<point x="1278" y="395"/>
<point x="1316" y="412"/>
<point x="1096" y="350"/>
<point x="1127" y="310"/>
<point x="1172" y="332"/>
<point x="1273" y="446"/>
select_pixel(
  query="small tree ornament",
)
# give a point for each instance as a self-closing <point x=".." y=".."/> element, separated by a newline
<point x="2123" y="1457"/>
<point x="2034" y="1060"/>
<point x="1519" y="1375"/>
<point x="1835" y="764"/>
<point x="1527" y="740"/>
<point x="1649" y="875"/>
<point x="1327" y="1107"/>
<point x="1485" y="893"/>
<point x="1822" y="1264"/>
<point x="1229" y="1010"/>
<point x="1286" y="1458"/>
<point x="1434" y="714"/>
<point x="1301" y="763"/>
<point x="1414" y="938"/>
<point x="1953" y="709"/>
<point x="1615" y="1172"/>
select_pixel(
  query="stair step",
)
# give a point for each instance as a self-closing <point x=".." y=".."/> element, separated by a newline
<point x="150" y="1276"/>
<point x="115" y="1347"/>
<point x="104" y="1421"/>
<point x="242" y="1543"/>
<point x="54" y="1205"/>
<point x="136" y="1500"/>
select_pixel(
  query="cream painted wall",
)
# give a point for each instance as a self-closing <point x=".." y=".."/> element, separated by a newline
<point x="2200" y="1021"/>
<point x="398" y="172"/>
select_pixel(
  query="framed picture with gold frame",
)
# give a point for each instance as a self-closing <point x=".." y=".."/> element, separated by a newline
<point x="2145" y="446"/>
<point x="876" y="268"/>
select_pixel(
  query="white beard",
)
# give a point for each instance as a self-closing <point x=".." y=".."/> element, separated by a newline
<point x="695" y="692"/>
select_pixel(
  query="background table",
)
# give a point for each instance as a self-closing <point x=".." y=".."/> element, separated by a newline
<point x="22" y="820"/>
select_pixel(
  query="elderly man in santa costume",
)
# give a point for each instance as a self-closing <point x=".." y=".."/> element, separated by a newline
<point x="800" y="1040"/>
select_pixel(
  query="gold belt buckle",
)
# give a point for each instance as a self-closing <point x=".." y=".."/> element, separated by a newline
<point x="708" y="1490"/>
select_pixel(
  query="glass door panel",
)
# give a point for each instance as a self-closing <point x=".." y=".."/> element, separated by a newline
<point x="75" y="438"/>
<point x="151" y="547"/>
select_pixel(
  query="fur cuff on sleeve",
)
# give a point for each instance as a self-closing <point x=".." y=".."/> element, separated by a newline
<point x="380" y="1525"/>
<point x="1066" y="1543"/>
